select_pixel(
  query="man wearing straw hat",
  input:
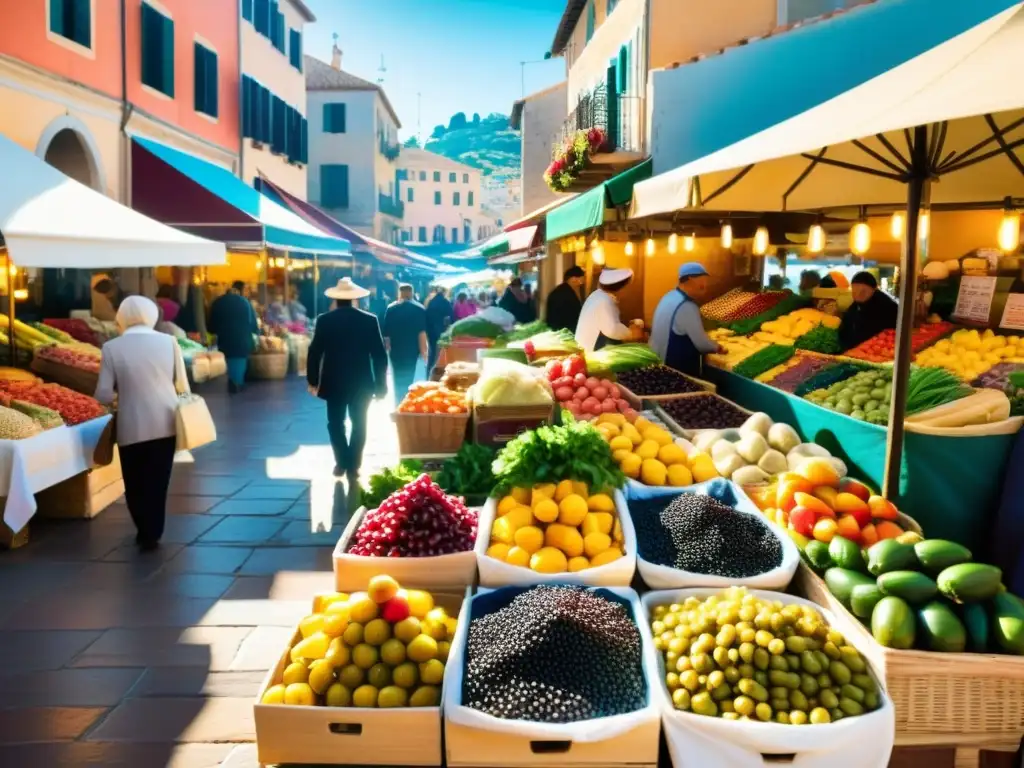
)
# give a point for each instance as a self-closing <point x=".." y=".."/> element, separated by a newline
<point x="347" y="367"/>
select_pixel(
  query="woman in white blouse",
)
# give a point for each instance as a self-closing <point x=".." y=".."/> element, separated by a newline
<point x="146" y="371"/>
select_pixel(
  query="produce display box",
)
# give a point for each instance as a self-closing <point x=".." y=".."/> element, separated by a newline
<point x="973" y="700"/>
<point x="85" y="495"/>
<point x="9" y="539"/>
<point x="352" y="573"/>
<point x="669" y="422"/>
<point x="475" y="747"/>
<point x="430" y="433"/>
<point x="268" y="365"/>
<point x="65" y="375"/>
<point x="495" y="425"/>
<point x="706" y="386"/>
<point x="349" y="735"/>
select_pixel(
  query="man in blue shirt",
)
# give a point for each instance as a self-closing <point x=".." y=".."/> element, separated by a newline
<point x="677" y="330"/>
<point x="405" y="336"/>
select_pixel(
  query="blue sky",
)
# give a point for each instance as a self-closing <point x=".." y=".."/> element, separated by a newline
<point x="460" y="55"/>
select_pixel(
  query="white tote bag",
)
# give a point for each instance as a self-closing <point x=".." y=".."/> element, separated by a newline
<point x="194" y="424"/>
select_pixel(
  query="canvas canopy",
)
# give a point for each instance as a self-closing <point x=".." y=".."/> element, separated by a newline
<point x="586" y="211"/>
<point x="50" y="220"/>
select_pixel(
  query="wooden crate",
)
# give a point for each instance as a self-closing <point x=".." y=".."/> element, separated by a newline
<point x="495" y="425"/>
<point x="969" y="701"/>
<point x="430" y="433"/>
<point x="706" y="388"/>
<point x="9" y="539"/>
<point x="85" y="495"/>
<point x="349" y="735"/>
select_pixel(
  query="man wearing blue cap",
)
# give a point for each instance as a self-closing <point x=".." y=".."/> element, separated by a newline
<point x="677" y="331"/>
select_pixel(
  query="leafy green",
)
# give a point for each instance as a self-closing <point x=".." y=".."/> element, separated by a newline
<point x="931" y="387"/>
<point x="523" y="332"/>
<point x="763" y="360"/>
<point x="472" y="326"/>
<point x="822" y="339"/>
<point x="617" y="358"/>
<point x="390" y="480"/>
<point x="468" y="472"/>
<point x="551" y="454"/>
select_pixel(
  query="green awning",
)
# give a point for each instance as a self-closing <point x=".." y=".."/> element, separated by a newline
<point x="586" y="211"/>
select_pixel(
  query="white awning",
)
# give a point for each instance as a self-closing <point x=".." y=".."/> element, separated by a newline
<point x="50" y="220"/>
<point x="960" y="84"/>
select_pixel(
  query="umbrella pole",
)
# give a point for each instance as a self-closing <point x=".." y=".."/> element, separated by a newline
<point x="917" y="194"/>
<point x="12" y="348"/>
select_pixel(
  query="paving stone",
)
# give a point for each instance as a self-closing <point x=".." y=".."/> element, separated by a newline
<point x="298" y="533"/>
<point x="243" y="756"/>
<point x="32" y="651"/>
<point x="31" y="579"/>
<point x="116" y="755"/>
<point x="198" y="681"/>
<point x="287" y="585"/>
<point x="207" y="485"/>
<point x="188" y="584"/>
<point x="213" y="648"/>
<point x="185" y="529"/>
<point x="32" y="724"/>
<point x="251" y="613"/>
<point x="252" y="507"/>
<point x="191" y="505"/>
<point x="288" y="490"/>
<point x="112" y="575"/>
<point x="68" y="688"/>
<point x="270" y="560"/>
<point x="189" y="719"/>
<point x="242" y="530"/>
<point x="129" y="552"/>
<point x="107" y="611"/>
<point x="262" y="649"/>
<point x="208" y="559"/>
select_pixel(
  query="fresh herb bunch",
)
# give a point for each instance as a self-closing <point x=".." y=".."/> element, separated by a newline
<point x="763" y="360"/>
<point x="822" y="339"/>
<point x="551" y="454"/>
<point x="468" y="472"/>
<point x="390" y="480"/>
<point x="931" y="387"/>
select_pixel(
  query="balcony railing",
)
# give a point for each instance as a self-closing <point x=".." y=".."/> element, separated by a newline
<point x="390" y="206"/>
<point x="620" y="119"/>
<point x="390" y="151"/>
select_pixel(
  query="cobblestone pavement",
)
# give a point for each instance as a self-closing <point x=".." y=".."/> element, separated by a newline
<point x="114" y="658"/>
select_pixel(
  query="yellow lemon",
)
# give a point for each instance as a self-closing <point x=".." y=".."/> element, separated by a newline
<point x="507" y="504"/>
<point x="498" y="551"/>
<point x="566" y="538"/>
<point x="580" y="488"/>
<point x="572" y="510"/>
<point x="546" y="511"/>
<point x="597" y="522"/>
<point x="518" y="556"/>
<point x="425" y="696"/>
<point x="530" y="538"/>
<point x="520" y="516"/>
<point x="521" y="495"/>
<point x="420" y="603"/>
<point x="548" y="560"/>
<point x="596" y="543"/>
<point x="578" y="564"/>
<point x="336" y="622"/>
<point x="621" y="443"/>
<point x="679" y="476"/>
<point x="653" y="472"/>
<point x="542" y="491"/>
<point x="671" y="454"/>
<point x="313" y="647"/>
<point x="648" y="449"/>
<point x="611" y="418"/>
<point x="273" y="695"/>
<point x="641" y="424"/>
<point x="630" y="466"/>
<point x="703" y="468"/>
<point x="610" y="555"/>
<point x="601" y="502"/>
<point x="422" y="648"/>
<point x="658" y="435"/>
<point x="299" y="695"/>
<point x="296" y="672"/>
<point x="631" y="432"/>
<point x="405" y="675"/>
<point x="338" y="654"/>
<point x="503" y="530"/>
<point x="326" y="601"/>
<point x="563" y="489"/>
<point x="311" y="624"/>
<point x="365" y="696"/>
<point x="392" y="696"/>
<point x="620" y="455"/>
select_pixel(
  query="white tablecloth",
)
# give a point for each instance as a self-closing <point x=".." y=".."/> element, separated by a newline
<point x="36" y="463"/>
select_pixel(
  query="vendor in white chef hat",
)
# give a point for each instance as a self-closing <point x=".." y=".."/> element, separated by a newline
<point x="600" y="323"/>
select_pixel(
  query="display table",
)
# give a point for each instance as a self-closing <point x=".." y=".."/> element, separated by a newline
<point x="36" y="463"/>
<point x="950" y="485"/>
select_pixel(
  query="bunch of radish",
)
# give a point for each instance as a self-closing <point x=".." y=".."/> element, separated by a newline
<point x="584" y="396"/>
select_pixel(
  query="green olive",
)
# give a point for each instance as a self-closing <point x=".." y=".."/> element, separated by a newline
<point x="761" y="658"/>
<point x="691" y="680"/>
<point x="763" y="638"/>
<point x="796" y="644"/>
<point x="744" y="705"/>
<point x="828" y="699"/>
<point x="839" y="672"/>
<point x="681" y="699"/>
<point x="703" y="704"/>
<point x="763" y="712"/>
<point x="853" y="692"/>
<point x="810" y="663"/>
<point x="782" y="717"/>
<point x="754" y="690"/>
<point x="850" y="707"/>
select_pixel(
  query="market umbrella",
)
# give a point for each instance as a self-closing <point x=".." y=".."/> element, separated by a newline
<point x="943" y="126"/>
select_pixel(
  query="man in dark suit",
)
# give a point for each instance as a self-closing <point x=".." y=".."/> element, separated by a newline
<point x="233" y="321"/>
<point x="347" y="366"/>
<point x="564" y="303"/>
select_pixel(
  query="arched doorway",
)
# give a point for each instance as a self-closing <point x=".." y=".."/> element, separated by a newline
<point x="68" y="153"/>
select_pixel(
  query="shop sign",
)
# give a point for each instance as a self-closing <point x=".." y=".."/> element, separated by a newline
<point x="974" y="302"/>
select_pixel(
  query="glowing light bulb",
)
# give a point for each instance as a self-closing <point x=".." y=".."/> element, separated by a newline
<point x="597" y="254"/>
<point x="259" y="265"/>
<point x="860" y="238"/>
<point x="761" y="241"/>
<point x="924" y="223"/>
<point x="1009" y="232"/>
<point x="727" y="235"/>
<point x="689" y="243"/>
<point x="629" y="247"/>
<point x="649" y="249"/>
<point x="816" y="239"/>
<point x="898" y="226"/>
<point x="13" y="270"/>
<point x="673" y="243"/>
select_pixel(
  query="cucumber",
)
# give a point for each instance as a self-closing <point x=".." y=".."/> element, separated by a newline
<point x="863" y="599"/>
<point x="935" y="555"/>
<point x="912" y="586"/>
<point x="1008" y="622"/>
<point x="892" y="623"/>
<point x="841" y="582"/>
<point x="889" y="555"/>
<point x="817" y="555"/>
<point x="845" y="554"/>
<point x="976" y="620"/>
<point x="940" y="628"/>
<point x="970" y="582"/>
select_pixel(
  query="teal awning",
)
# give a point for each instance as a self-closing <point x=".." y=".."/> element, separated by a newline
<point x="281" y="229"/>
<point x="586" y="211"/>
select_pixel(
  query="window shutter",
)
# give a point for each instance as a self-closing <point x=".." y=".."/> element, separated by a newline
<point x="591" y="20"/>
<point x="247" y="10"/>
<point x="167" y="55"/>
<point x="295" y="48"/>
<point x="304" y="154"/>
<point x="150" y="53"/>
<point x="264" y="112"/>
<point x="469" y="202"/>
<point x="212" y="85"/>
<point x="57" y="18"/>
<point x="261" y="16"/>
<point x="246" y="102"/>
<point x="621" y="71"/>
<point x="342" y="118"/>
<point x="199" y="77"/>
<point x="81" y="32"/>
<point x="328" y="126"/>
<point x="343" y="185"/>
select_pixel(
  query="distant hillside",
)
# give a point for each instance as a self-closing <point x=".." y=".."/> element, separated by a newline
<point x="485" y="143"/>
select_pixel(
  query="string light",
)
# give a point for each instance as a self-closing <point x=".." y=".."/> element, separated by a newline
<point x="673" y="243"/>
<point x="13" y="270"/>
<point x="649" y="250"/>
<point x="898" y="226"/>
<point x="629" y="247"/>
<point x="727" y="236"/>
<point x="689" y="243"/>
<point x="1009" y="231"/>
<point x="761" y="241"/>
<point x="259" y="265"/>
<point x="21" y="294"/>
<point x="860" y="238"/>
<point x="597" y="254"/>
<point x="816" y="239"/>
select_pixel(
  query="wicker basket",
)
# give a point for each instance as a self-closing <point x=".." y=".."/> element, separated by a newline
<point x="430" y="433"/>
<point x="269" y="365"/>
<point x="65" y="375"/>
<point x="953" y="699"/>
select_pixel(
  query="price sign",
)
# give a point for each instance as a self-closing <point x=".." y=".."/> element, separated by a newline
<point x="974" y="302"/>
<point x="1013" y="313"/>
